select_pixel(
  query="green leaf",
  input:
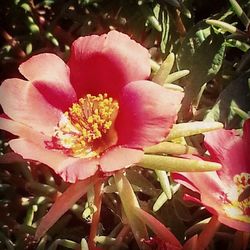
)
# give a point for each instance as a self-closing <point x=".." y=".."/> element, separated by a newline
<point x="165" y="20"/>
<point x="202" y="53"/>
<point x="152" y="15"/>
<point x="235" y="95"/>
<point x="237" y="44"/>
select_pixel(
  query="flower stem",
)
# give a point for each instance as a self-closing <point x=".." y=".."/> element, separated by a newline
<point x="240" y="241"/>
<point x="130" y="203"/>
<point x="98" y="188"/>
<point x="63" y="203"/>
<point x="208" y="233"/>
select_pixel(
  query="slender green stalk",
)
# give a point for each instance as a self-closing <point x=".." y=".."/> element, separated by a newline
<point x="162" y="74"/>
<point x="130" y="203"/>
<point x="192" y="128"/>
<point x="160" y="202"/>
<point x="224" y="26"/>
<point x="154" y="65"/>
<point x="164" y="181"/>
<point x="239" y="12"/>
<point x="176" y="76"/>
<point x="170" y="148"/>
<point x="175" y="164"/>
<point x="241" y="113"/>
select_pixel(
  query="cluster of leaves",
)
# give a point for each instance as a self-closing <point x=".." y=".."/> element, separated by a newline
<point x="217" y="88"/>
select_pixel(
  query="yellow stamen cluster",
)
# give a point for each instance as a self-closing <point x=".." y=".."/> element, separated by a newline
<point x="85" y="123"/>
<point x="239" y="209"/>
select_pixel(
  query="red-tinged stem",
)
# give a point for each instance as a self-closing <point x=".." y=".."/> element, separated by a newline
<point x="246" y="238"/>
<point x="98" y="189"/>
<point x="208" y="233"/>
<point x="130" y="203"/>
<point x="240" y="241"/>
<point x="62" y="204"/>
<point x="191" y="243"/>
<point x="12" y="42"/>
<point x="123" y="233"/>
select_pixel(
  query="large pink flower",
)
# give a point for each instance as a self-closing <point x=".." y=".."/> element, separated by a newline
<point x="225" y="193"/>
<point x="95" y="113"/>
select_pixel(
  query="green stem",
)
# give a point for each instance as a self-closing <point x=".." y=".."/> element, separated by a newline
<point x="239" y="12"/>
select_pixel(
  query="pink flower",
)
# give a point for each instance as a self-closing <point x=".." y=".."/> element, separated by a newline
<point x="225" y="193"/>
<point x="95" y="113"/>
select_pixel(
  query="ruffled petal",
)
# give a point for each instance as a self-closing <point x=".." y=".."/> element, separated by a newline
<point x="119" y="157"/>
<point x="183" y="180"/>
<point x="31" y="151"/>
<point x="203" y="182"/>
<point x="105" y="63"/>
<point x="228" y="149"/>
<point x="74" y="169"/>
<point x="50" y="75"/>
<point x="22" y="131"/>
<point x="146" y="114"/>
<point x="238" y="225"/>
<point x="69" y="168"/>
<point x="22" y="102"/>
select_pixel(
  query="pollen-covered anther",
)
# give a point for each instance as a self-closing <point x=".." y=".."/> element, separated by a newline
<point x="239" y="209"/>
<point x="86" y="122"/>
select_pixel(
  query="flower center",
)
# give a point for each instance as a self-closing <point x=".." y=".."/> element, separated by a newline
<point x="86" y="129"/>
<point x="239" y="208"/>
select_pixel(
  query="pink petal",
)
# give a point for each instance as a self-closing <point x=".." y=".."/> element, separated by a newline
<point x="118" y="157"/>
<point x="246" y="140"/>
<point x="146" y="114"/>
<point x="31" y="151"/>
<point x="213" y="199"/>
<point x="74" y="169"/>
<point x="238" y="225"/>
<point x="23" y="131"/>
<point x="246" y="130"/>
<point x="22" y="102"/>
<point x="183" y="180"/>
<point x="227" y="148"/>
<point x="62" y="205"/>
<point x="69" y="168"/>
<point x="105" y="63"/>
<point x="203" y="182"/>
<point x="50" y="75"/>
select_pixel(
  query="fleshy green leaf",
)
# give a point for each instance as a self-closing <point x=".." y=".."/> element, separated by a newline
<point x="193" y="55"/>
<point x="233" y="96"/>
